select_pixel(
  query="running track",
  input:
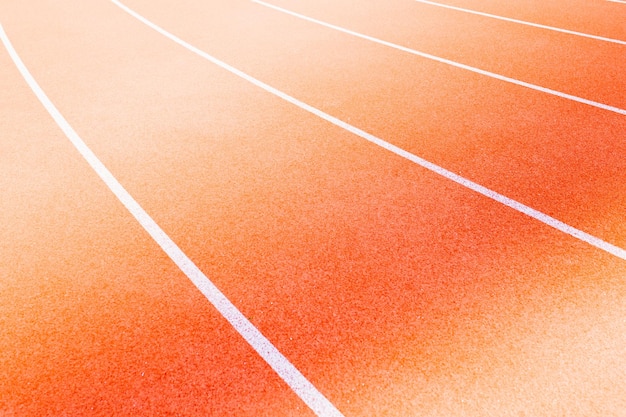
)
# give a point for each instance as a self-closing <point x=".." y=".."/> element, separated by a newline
<point x="495" y="286"/>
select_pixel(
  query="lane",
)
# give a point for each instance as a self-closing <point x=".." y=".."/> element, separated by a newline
<point x="585" y="68"/>
<point x="277" y="361"/>
<point x="522" y="22"/>
<point x="96" y="319"/>
<point x="393" y="289"/>
<point x="445" y="61"/>
<point x="602" y="18"/>
<point x="530" y="147"/>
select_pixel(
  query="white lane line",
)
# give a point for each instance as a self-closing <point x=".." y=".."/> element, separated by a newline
<point x="448" y="61"/>
<point x="523" y="22"/>
<point x="535" y="214"/>
<point x="617" y="1"/>
<point x="285" y="369"/>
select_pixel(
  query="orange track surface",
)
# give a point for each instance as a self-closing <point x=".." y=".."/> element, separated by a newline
<point x="395" y="291"/>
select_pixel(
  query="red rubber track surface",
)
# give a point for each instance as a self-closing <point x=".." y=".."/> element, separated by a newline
<point x="395" y="291"/>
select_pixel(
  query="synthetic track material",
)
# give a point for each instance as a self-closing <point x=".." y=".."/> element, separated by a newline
<point x="283" y="367"/>
<point x="523" y="22"/>
<point x="542" y="217"/>
<point x="449" y="62"/>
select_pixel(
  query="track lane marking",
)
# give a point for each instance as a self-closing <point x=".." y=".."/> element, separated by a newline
<point x="277" y="361"/>
<point x="523" y="22"/>
<point x="448" y="61"/>
<point x="522" y="208"/>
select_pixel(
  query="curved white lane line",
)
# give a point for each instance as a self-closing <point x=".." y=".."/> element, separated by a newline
<point x="285" y="369"/>
<point x="523" y="22"/>
<point x="447" y="61"/>
<point x="535" y="214"/>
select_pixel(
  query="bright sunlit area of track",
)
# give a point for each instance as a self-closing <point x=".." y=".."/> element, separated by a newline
<point x="313" y="208"/>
